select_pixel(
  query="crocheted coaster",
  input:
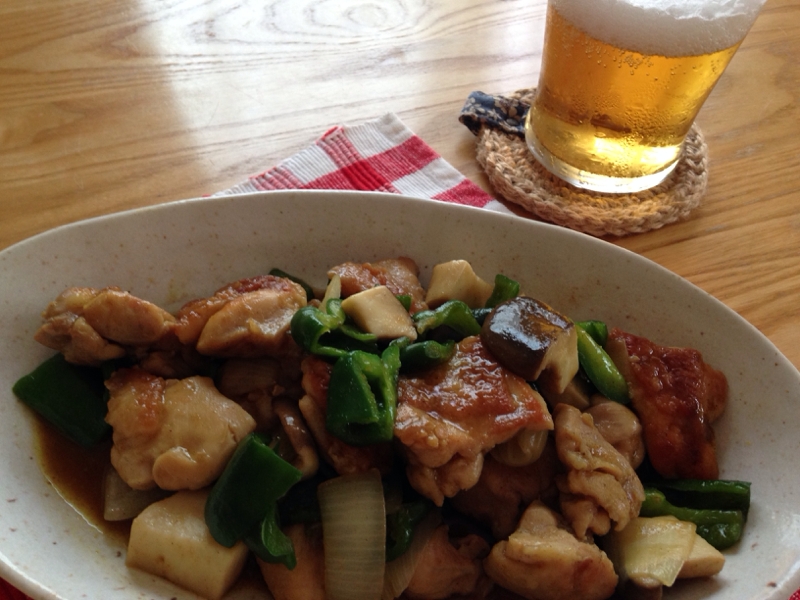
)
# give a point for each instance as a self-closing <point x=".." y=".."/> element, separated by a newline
<point x="517" y="176"/>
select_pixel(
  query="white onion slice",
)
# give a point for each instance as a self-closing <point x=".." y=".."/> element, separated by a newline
<point x="400" y="571"/>
<point x="354" y="536"/>
<point x="121" y="502"/>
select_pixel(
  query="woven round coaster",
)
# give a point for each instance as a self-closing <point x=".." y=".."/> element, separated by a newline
<point x="519" y="178"/>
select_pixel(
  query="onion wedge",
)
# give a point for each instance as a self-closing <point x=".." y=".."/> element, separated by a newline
<point x="121" y="502"/>
<point x="354" y="536"/>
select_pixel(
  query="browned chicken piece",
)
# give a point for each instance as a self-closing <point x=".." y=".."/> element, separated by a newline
<point x="400" y="275"/>
<point x="449" y="416"/>
<point x="174" y="361"/>
<point x="89" y="326"/>
<point x="344" y="458"/>
<point x="598" y="477"/>
<point x="621" y="428"/>
<point x="542" y="560"/>
<point x="252" y="383"/>
<point x="307" y="580"/>
<point x="248" y="318"/>
<point x="445" y="569"/>
<point x="676" y="396"/>
<point x="503" y="492"/>
<point x="437" y="483"/>
<point x="174" y="434"/>
<point x="584" y="514"/>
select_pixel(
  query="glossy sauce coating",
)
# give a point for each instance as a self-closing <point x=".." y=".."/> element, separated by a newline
<point x="671" y="389"/>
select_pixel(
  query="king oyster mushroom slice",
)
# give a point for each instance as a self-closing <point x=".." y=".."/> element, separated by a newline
<point x="531" y="339"/>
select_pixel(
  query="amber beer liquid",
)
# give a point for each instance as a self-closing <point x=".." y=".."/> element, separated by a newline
<point x="619" y="92"/>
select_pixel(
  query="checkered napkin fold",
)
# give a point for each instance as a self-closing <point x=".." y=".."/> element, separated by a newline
<point x="381" y="155"/>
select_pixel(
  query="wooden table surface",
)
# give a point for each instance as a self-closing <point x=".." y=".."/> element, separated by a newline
<point x="108" y="105"/>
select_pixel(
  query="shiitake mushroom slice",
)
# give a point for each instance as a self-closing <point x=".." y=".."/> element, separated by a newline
<point x="531" y="339"/>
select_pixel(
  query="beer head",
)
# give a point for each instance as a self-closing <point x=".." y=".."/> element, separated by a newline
<point x="663" y="27"/>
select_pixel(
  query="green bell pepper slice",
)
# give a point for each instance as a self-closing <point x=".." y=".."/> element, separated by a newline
<point x="598" y="330"/>
<point x="722" y="494"/>
<point x="70" y="397"/>
<point x="420" y="355"/>
<point x="453" y="314"/>
<point x="269" y="543"/>
<point x="362" y="397"/>
<point x="405" y="300"/>
<point x="504" y="289"/>
<point x="246" y="492"/>
<point x="720" y="528"/>
<point x="599" y="368"/>
<point x="400" y="527"/>
<point x="327" y="333"/>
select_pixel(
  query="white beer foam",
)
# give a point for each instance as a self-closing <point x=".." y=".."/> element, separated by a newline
<point x="665" y="27"/>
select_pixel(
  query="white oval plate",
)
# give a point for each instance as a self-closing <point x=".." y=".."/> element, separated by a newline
<point x="175" y="252"/>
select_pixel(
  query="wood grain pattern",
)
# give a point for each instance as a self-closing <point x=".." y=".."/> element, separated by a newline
<point x="107" y="105"/>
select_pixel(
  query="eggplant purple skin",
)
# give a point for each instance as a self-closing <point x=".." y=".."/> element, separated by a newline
<point x="519" y="332"/>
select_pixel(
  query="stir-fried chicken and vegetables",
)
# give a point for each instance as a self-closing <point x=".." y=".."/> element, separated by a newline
<point x="379" y="440"/>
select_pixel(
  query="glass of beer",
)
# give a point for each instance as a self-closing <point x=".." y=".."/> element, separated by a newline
<point x="622" y="82"/>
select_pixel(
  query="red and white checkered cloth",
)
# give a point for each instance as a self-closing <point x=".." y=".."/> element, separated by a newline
<point x="381" y="155"/>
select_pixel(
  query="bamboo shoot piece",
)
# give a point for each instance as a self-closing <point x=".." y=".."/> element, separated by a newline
<point x="704" y="560"/>
<point x="456" y="280"/>
<point x="652" y="548"/>
<point x="378" y="311"/>
<point x="170" y="539"/>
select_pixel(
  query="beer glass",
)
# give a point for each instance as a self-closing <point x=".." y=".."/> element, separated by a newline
<point x="622" y="82"/>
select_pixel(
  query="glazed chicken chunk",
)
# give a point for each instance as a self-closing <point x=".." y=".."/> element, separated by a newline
<point x="677" y="396"/>
<point x="90" y="326"/>
<point x="174" y="434"/>
<point x="246" y="319"/>
<point x="543" y="560"/>
<point x="503" y="492"/>
<point x="600" y="485"/>
<point x="344" y="458"/>
<point x="400" y="275"/>
<point x="449" y="416"/>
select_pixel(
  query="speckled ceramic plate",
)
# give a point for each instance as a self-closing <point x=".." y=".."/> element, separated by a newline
<point x="174" y="252"/>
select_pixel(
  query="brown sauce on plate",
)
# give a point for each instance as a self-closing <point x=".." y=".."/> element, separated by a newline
<point x="77" y="474"/>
